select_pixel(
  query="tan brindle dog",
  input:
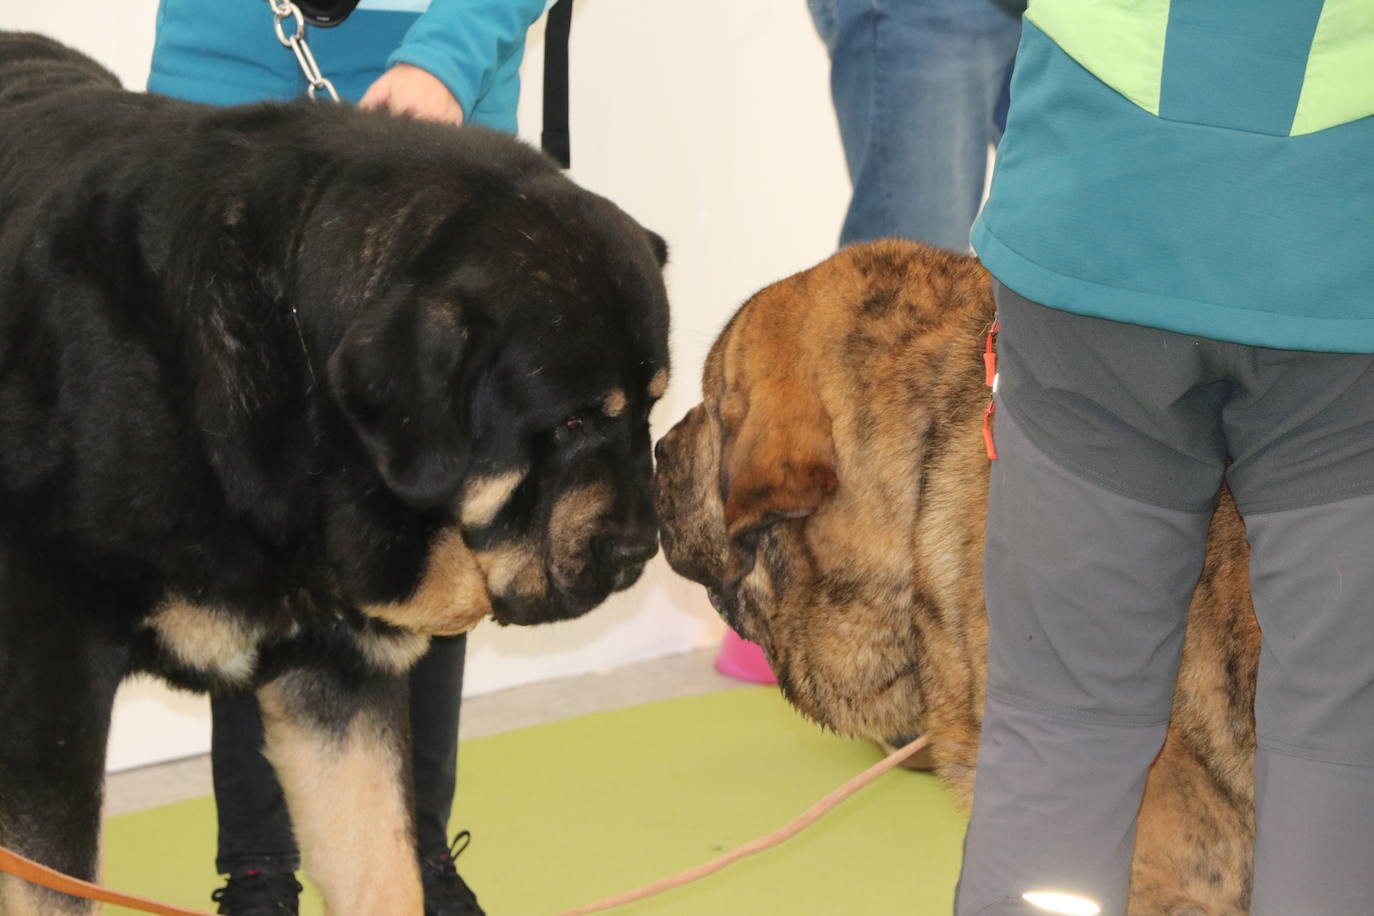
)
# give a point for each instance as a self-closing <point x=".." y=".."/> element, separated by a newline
<point x="831" y="492"/>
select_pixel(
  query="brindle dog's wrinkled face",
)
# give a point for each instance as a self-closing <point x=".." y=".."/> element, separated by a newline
<point x="792" y="492"/>
<point x="757" y="567"/>
<point x="513" y="393"/>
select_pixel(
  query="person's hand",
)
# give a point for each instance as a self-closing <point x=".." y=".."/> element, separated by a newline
<point x="408" y="90"/>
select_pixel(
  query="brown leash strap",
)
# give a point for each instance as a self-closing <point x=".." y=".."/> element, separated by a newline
<point x="38" y="874"/>
<point x="31" y="871"/>
<point x="802" y="821"/>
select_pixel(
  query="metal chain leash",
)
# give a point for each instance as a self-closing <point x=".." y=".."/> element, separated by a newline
<point x="283" y="10"/>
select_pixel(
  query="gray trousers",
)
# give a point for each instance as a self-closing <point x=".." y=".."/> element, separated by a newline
<point x="1113" y="440"/>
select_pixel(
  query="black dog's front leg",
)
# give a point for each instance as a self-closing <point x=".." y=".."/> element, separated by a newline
<point x="340" y="747"/>
<point x="59" y="668"/>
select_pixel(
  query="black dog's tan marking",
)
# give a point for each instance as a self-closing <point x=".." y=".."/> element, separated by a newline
<point x="339" y="767"/>
<point x="450" y="597"/>
<point x="614" y="403"/>
<point x="283" y="390"/>
<point x="484" y="497"/>
<point x="830" y="493"/>
<point x="208" y="639"/>
<point x="658" y="384"/>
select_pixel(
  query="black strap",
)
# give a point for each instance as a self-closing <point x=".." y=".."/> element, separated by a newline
<point x="326" y="13"/>
<point x="555" y="139"/>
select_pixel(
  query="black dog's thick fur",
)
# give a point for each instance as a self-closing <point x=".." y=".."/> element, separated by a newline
<point x="252" y="362"/>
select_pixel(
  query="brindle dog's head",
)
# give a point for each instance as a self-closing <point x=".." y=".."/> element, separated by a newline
<point x="805" y="490"/>
<point x="505" y="375"/>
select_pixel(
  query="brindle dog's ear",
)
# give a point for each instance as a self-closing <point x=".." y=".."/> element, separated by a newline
<point x="778" y="458"/>
<point x="395" y="373"/>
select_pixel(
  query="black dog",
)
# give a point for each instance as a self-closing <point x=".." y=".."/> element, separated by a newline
<point x="284" y="388"/>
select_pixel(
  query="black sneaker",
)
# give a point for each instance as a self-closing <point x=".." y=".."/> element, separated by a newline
<point x="446" y="894"/>
<point x="254" y="892"/>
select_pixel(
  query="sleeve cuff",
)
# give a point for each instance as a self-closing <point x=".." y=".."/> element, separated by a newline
<point x="464" y="89"/>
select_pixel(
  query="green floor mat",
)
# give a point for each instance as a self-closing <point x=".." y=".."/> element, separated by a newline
<point x="567" y="813"/>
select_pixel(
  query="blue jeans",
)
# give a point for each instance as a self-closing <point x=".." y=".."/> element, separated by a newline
<point x="920" y="91"/>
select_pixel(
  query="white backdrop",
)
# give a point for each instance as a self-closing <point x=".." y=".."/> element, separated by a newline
<point x="710" y="122"/>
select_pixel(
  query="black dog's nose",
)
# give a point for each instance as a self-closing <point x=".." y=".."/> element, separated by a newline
<point x="626" y="576"/>
<point x="633" y="552"/>
<point x="626" y="559"/>
<point x="623" y="557"/>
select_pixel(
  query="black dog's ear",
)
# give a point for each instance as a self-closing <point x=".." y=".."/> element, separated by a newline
<point x="395" y="374"/>
<point x="659" y="246"/>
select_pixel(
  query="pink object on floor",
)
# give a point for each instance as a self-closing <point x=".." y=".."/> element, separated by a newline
<point x="739" y="658"/>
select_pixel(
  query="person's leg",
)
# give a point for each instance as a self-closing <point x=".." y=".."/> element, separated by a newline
<point x="1313" y="584"/>
<point x="254" y="826"/>
<point x="436" y="688"/>
<point x="915" y="85"/>
<point x="1303" y="436"/>
<point x="1095" y="539"/>
<point x="1087" y="593"/>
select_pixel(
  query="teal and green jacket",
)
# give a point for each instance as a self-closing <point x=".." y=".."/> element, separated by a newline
<point x="1202" y="166"/>
<point x="225" y="52"/>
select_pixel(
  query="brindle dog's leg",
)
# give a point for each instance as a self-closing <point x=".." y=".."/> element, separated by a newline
<point x="341" y="749"/>
<point x="58" y="672"/>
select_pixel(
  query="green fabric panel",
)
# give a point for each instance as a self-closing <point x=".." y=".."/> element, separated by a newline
<point x="1121" y="42"/>
<point x="1339" y="84"/>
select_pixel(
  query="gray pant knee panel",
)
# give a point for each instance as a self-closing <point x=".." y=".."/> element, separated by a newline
<point x="1054" y="809"/>
<point x="1313" y="586"/>
<point x="1313" y="844"/>
<point x="1087" y="590"/>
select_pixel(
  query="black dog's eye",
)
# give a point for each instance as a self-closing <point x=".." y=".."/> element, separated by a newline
<point x="573" y="423"/>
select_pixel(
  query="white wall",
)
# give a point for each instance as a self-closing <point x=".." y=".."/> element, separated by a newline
<point x="710" y="122"/>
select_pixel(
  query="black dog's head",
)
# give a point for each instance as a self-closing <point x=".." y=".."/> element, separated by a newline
<point x="507" y="339"/>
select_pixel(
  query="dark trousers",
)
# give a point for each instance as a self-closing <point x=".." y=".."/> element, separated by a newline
<point x="254" y="826"/>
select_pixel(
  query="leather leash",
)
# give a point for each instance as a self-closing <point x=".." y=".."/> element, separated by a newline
<point x="31" y="871"/>
<point x="800" y="823"/>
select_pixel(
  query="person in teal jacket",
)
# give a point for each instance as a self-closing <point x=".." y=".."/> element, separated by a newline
<point x="396" y="54"/>
<point x="447" y="60"/>
<point x="1181" y="227"/>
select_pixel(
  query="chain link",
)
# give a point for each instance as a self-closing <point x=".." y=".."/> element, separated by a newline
<point x="283" y="10"/>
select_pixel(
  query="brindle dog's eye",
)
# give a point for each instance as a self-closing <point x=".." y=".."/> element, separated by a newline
<point x="573" y="423"/>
